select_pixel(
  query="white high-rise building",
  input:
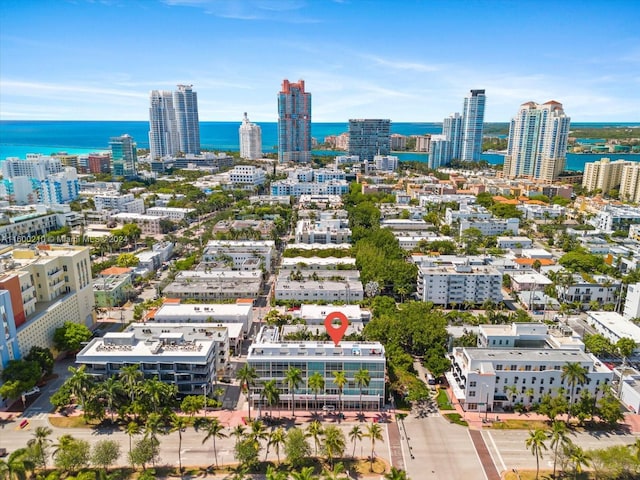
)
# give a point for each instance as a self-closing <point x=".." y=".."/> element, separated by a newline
<point x="250" y="140"/>
<point x="603" y="175"/>
<point x="185" y="104"/>
<point x="35" y="166"/>
<point x="452" y="130"/>
<point x="472" y="126"/>
<point x="538" y="138"/>
<point x="163" y="129"/>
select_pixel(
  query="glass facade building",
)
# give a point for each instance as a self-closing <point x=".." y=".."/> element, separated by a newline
<point x="472" y="126"/>
<point x="369" y="137"/>
<point x="185" y="104"/>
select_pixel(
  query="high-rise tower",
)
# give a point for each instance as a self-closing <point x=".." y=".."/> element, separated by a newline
<point x="124" y="156"/>
<point x="369" y="137"/>
<point x="185" y="104"/>
<point x="294" y="123"/>
<point x="163" y="129"/>
<point x="472" y="126"/>
<point x="250" y="139"/>
<point x="538" y="138"/>
<point x="452" y="131"/>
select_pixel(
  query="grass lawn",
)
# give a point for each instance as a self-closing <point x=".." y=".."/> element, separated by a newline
<point x="518" y="424"/>
<point x="72" y="422"/>
<point x="443" y="400"/>
<point x="456" y="418"/>
<point x="544" y="475"/>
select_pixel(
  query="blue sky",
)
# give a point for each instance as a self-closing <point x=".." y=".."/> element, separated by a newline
<point x="407" y="60"/>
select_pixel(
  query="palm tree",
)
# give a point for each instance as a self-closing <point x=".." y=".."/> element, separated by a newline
<point x="340" y="380"/>
<point x="535" y="442"/>
<point x="573" y="373"/>
<point x="579" y="458"/>
<point x="316" y="384"/>
<point x="396" y="474"/>
<point x="238" y="432"/>
<point x="277" y="439"/>
<point x="214" y="430"/>
<point x="154" y="389"/>
<point x="111" y="389"/>
<point x="80" y="383"/>
<point x="153" y="426"/>
<point x="271" y="394"/>
<point x="247" y="376"/>
<point x="559" y="438"/>
<point x="179" y="424"/>
<point x="362" y="379"/>
<point x="18" y="464"/>
<point x="336" y="473"/>
<point x="374" y="432"/>
<point x="132" y="429"/>
<point x="293" y="377"/>
<point x="315" y="430"/>
<point x="41" y="441"/>
<point x="334" y="443"/>
<point x="355" y="434"/>
<point x="258" y="431"/>
<point x="130" y="375"/>
<point x="305" y="474"/>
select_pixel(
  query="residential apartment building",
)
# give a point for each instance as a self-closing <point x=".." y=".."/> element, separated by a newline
<point x="250" y="139"/>
<point x="630" y="183"/>
<point x="112" y="290"/>
<point x="185" y="104"/>
<point x="175" y="214"/>
<point x="214" y="285"/>
<point x="494" y="226"/>
<point x="538" y="137"/>
<point x="327" y="231"/>
<point x="613" y="218"/>
<point x="316" y="314"/>
<point x="30" y="227"/>
<point x="369" y="137"/>
<point x="472" y="126"/>
<point x="514" y="242"/>
<point x="206" y="313"/>
<point x="397" y="142"/>
<point x="632" y="302"/>
<point x="294" y="123"/>
<point x="386" y="163"/>
<point x="585" y="289"/>
<point x="242" y="254"/>
<point x="149" y="224"/>
<point x="466" y="212"/>
<point x="317" y="263"/>
<point x="296" y="189"/>
<point x="541" y="212"/>
<point x="459" y="284"/>
<point x="124" y="156"/>
<point x="614" y="326"/>
<point x="48" y="286"/>
<point x="603" y="175"/>
<point x="423" y="143"/>
<point x="491" y="379"/>
<point x="177" y="354"/>
<point x="97" y="163"/>
<point x="272" y="356"/>
<point x="117" y="202"/>
<point x="163" y="127"/>
<point x="337" y="288"/>
<point x="247" y="177"/>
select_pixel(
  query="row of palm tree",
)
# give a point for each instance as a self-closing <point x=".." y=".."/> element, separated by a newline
<point x="293" y="378"/>
<point x="559" y="442"/>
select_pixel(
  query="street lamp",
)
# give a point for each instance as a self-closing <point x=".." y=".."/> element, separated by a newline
<point x="204" y="388"/>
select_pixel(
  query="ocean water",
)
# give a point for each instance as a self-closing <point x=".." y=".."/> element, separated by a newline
<point x="17" y="138"/>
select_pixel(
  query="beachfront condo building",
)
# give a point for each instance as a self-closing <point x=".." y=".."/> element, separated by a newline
<point x="294" y="123"/>
<point x="461" y="137"/>
<point x="185" y="104"/>
<point x="472" y="126"/>
<point x="538" y="138"/>
<point x="250" y="140"/>
<point x="124" y="156"/>
<point x="603" y="175"/>
<point x="630" y="183"/>
<point x="163" y="129"/>
<point x="369" y="137"/>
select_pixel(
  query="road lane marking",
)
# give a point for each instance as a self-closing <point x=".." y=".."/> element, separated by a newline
<point x="477" y="455"/>
<point x="495" y="447"/>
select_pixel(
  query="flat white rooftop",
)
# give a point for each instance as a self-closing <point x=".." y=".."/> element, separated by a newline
<point x="170" y="310"/>
<point x="616" y="323"/>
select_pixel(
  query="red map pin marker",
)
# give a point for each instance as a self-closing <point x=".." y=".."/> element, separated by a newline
<point x="336" y="332"/>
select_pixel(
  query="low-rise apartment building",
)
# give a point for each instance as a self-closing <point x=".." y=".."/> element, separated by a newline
<point x="174" y="214"/>
<point x="492" y="227"/>
<point x="614" y="326"/>
<point x="241" y="253"/>
<point x="271" y="357"/>
<point x="247" y="177"/>
<point x="182" y="355"/>
<point x="335" y="289"/>
<point x="149" y="224"/>
<point x="212" y="285"/>
<point x="326" y="231"/>
<point x="585" y="289"/>
<point x="459" y="284"/>
<point x="117" y="202"/>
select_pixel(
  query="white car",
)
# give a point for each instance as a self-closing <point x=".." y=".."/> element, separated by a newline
<point x="33" y="391"/>
<point x="329" y="408"/>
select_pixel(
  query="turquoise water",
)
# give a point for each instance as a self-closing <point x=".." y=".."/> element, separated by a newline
<point x="17" y="138"/>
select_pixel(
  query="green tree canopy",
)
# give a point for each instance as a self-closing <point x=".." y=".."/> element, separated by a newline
<point x="71" y="336"/>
